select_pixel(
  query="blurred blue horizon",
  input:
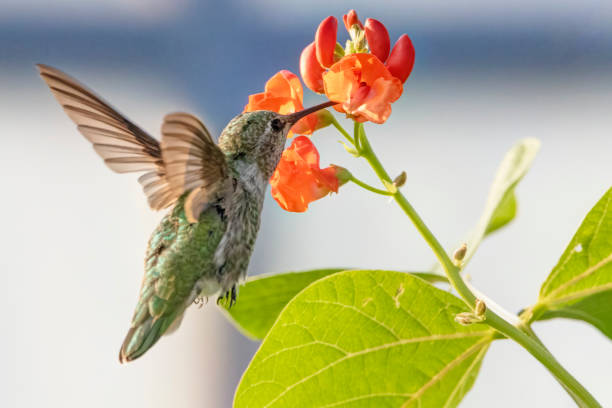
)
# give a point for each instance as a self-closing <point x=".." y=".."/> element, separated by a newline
<point x="190" y="53"/>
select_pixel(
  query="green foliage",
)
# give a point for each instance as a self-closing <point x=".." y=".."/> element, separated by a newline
<point x="580" y="285"/>
<point x="367" y="339"/>
<point x="501" y="206"/>
<point x="503" y="214"/>
<point x="263" y="297"/>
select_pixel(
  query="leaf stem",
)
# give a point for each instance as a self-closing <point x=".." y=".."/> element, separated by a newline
<point x="342" y="131"/>
<point x="533" y="346"/>
<point x="369" y="187"/>
<point x="357" y="136"/>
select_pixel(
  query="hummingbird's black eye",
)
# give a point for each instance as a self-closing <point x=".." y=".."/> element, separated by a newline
<point x="277" y="125"/>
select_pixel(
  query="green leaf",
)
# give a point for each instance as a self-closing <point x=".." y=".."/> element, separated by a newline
<point x="262" y="298"/>
<point x="503" y="214"/>
<point x="366" y="339"/>
<point x="580" y="285"/>
<point x="501" y="206"/>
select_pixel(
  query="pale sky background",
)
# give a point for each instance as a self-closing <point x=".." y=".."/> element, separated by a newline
<point x="486" y="75"/>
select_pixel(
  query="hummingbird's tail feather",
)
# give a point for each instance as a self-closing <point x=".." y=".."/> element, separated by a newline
<point x="141" y="338"/>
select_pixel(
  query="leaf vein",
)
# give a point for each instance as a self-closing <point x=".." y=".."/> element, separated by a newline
<point x="579" y="294"/>
<point x="400" y="342"/>
<point x="381" y="324"/>
<point x="440" y="375"/>
<point x="299" y="346"/>
<point x="361" y="397"/>
<point x="462" y="380"/>
<point x="583" y="275"/>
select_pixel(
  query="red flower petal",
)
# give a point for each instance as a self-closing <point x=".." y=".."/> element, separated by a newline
<point x="401" y="60"/>
<point x="325" y="41"/>
<point x="377" y="37"/>
<point x="311" y="70"/>
<point x="351" y="19"/>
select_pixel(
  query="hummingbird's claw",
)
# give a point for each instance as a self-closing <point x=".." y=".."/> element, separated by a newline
<point x="228" y="298"/>
<point x="200" y="301"/>
<point x="233" y="298"/>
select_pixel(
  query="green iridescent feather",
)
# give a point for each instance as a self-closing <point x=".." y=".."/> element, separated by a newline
<point x="179" y="254"/>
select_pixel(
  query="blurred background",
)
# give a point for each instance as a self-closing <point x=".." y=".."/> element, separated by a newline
<point x="486" y="75"/>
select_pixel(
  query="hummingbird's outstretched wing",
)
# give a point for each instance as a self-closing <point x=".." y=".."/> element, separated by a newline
<point x="193" y="163"/>
<point x="123" y="145"/>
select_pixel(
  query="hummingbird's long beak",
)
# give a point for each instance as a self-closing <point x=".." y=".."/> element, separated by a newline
<point x="294" y="117"/>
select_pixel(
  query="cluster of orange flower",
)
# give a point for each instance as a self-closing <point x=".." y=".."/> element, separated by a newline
<point x="364" y="78"/>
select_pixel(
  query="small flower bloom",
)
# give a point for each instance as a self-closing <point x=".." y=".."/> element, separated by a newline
<point x="283" y="94"/>
<point x="363" y="87"/>
<point x="298" y="180"/>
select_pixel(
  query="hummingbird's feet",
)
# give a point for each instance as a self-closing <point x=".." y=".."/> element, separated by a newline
<point x="200" y="301"/>
<point x="230" y="296"/>
<point x="233" y="298"/>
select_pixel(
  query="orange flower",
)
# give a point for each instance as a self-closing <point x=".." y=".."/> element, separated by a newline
<point x="363" y="77"/>
<point x="363" y="86"/>
<point x="298" y="180"/>
<point x="283" y="94"/>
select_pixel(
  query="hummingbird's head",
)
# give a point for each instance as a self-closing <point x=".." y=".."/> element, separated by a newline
<point x="259" y="137"/>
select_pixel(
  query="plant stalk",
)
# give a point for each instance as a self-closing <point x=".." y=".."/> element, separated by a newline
<point x="582" y="397"/>
<point x="369" y="187"/>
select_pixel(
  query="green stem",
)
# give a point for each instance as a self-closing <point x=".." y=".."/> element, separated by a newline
<point x="357" y="136"/>
<point x="526" y="328"/>
<point x="369" y="187"/>
<point x="342" y="131"/>
<point x="576" y="390"/>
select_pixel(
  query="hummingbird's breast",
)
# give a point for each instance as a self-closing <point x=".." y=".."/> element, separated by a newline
<point x="243" y="219"/>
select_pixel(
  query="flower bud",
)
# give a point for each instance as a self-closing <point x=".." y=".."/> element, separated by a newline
<point x="342" y="174"/>
<point x="464" y="319"/>
<point x="460" y="253"/>
<point x="325" y="41"/>
<point x="400" y="180"/>
<point x="351" y="19"/>
<point x="467" y="318"/>
<point x="401" y="60"/>
<point x="311" y="70"/>
<point x="480" y="308"/>
<point x="378" y="39"/>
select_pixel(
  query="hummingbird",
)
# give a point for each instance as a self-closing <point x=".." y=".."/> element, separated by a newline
<point x="215" y="192"/>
